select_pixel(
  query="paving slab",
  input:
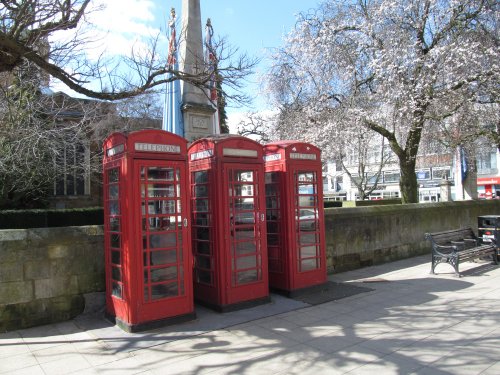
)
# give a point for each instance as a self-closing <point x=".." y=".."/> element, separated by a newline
<point x="207" y="320"/>
<point x="409" y="322"/>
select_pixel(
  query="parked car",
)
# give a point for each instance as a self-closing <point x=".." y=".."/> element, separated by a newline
<point x="308" y="219"/>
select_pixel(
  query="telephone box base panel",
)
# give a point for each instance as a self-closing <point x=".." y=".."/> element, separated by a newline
<point x="153" y="324"/>
<point x="234" y="306"/>
<point x="299" y="292"/>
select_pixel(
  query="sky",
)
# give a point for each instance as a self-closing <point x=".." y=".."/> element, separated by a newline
<point x="254" y="27"/>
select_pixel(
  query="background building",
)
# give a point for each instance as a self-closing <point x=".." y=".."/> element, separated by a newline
<point x="432" y="169"/>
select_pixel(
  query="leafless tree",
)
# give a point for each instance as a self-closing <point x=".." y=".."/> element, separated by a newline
<point x="39" y="133"/>
<point x="365" y="170"/>
<point x="258" y="126"/>
<point x="47" y="139"/>
<point x="27" y="26"/>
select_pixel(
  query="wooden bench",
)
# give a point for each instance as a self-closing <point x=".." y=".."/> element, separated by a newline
<point x="458" y="245"/>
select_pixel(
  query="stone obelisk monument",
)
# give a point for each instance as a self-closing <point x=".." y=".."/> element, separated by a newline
<point x="196" y="107"/>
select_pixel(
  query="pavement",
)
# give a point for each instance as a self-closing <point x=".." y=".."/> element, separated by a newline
<point x="409" y="322"/>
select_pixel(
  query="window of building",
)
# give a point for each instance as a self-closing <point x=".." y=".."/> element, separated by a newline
<point x="440" y="173"/>
<point x="391" y="176"/>
<point x="372" y="178"/>
<point x="355" y="178"/>
<point x="73" y="163"/>
<point x="352" y="157"/>
<point x="335" y="183"/>
<point x="424" y="174"/>
<point x="486" y="162"/>
<point x="373" y="155"/>
<point x="433" y="146"/>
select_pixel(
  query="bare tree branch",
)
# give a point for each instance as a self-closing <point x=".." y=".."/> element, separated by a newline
<point x="25" y="28"/>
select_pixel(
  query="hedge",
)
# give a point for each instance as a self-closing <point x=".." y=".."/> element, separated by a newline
<point x="329" y="204"/>
<point x="22" y="219"/>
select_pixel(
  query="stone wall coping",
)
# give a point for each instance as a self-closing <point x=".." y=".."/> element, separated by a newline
<point x="22" y="234"/>
<point x="398" y="208"/>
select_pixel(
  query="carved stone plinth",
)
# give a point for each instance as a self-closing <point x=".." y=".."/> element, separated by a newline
<point x="198" y="121"/>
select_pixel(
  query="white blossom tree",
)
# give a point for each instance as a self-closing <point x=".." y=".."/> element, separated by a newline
<point x="390" y="67"/>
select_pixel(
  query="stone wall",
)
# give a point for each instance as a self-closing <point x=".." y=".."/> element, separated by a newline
<point x="45" y="273"/>
<point x="363" y="236"/>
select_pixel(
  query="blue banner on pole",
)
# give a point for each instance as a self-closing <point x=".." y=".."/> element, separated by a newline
<point x="172" y="116"/>
<point x="463" y="163"/>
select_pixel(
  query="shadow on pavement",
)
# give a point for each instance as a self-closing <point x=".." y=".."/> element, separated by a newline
<point x="401" y="326"/>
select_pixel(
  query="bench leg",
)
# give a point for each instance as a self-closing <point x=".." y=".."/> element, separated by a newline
<point x="455" y="262"/>
<point x="495" y="257"/>
<point x="433" y="265"/>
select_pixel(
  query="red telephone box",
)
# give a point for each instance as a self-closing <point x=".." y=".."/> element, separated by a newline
<point x="295" y="216"/>
<point x="148" y="257"/>
<point x="228" y="215"/>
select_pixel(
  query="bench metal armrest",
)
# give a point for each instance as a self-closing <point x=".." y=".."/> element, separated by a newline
<point x="438" y="249"/>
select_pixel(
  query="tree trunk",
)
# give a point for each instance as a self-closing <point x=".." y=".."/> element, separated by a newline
<point x="362" y="194"/>
<point x="408" y="183"/>
<point x="407" y="156"/>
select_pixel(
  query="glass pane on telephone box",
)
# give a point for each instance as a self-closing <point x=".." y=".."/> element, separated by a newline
<point x="306" y="217"/>
<point x="246" y="265"/>
<point x="162" y="232"/>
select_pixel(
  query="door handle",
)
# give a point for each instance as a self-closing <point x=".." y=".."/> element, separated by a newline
<point x="185" y="222"/>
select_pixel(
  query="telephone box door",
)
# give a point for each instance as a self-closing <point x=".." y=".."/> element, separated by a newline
<point x="246" y="240"/>
<point x="163" y="227"/>
<point x="277" y="247"/>
<point x="309" y="267"/>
